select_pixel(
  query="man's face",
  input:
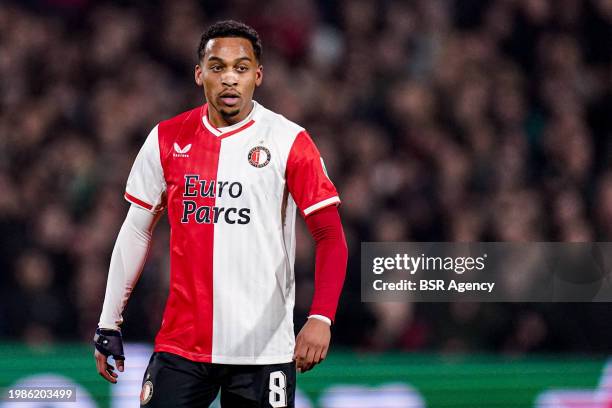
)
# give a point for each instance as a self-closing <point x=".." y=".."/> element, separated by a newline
<point x="229" y="74"/>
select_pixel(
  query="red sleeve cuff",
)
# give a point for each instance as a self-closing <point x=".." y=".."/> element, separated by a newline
<point x="137" y="201"/>
<point x="335" y="200"/>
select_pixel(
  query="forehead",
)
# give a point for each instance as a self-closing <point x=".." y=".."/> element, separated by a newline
<point x="229" y="48"/>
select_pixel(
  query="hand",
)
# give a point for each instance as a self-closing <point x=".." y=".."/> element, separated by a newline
<point x="105" y="369"/>
<point x="311" y="344"/>
<point x="108" y="343"/>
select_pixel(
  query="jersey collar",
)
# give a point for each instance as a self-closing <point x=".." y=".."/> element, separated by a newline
<point x="226" y="131"/>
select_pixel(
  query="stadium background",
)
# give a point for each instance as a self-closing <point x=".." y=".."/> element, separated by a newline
<point x="439" y="120"/>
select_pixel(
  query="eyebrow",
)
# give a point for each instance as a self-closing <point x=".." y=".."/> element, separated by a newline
<point x="213" y="58"/>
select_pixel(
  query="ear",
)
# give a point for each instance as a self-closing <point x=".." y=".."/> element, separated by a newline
<point x="259" y="75"/>
<point x="198" y="75"/>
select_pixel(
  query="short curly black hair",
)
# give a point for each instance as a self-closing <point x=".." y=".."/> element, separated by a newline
<point x="230" y="28"/>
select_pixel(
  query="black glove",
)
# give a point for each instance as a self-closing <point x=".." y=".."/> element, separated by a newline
<point x="109" y="343"/>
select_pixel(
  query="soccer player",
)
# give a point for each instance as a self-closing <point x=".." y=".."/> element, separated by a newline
<point x="231" y="175"/>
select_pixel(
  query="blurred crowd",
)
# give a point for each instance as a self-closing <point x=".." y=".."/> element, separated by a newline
<point x="439" y="120"/>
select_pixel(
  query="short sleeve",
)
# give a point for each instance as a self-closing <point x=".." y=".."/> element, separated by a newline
<point x="307" y="179"/>
<point x="146" y="185"/>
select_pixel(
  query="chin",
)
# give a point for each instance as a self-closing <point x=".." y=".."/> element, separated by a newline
<point x="230" y="113"/>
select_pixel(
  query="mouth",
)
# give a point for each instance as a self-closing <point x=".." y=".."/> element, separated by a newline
<point x="229" y="98"/>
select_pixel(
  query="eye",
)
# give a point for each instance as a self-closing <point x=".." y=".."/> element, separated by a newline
<point x="242" y="68"/>
<point x="216" y="68"/>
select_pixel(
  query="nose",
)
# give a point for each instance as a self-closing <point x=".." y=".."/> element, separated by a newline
<point x="229" y="78"/>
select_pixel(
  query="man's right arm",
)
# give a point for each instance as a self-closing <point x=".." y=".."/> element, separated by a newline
<point x="128" y="258"/>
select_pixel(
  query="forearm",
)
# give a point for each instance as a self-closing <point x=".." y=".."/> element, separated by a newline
<point x="331" y="260"/>
<point x="128" y="258"/>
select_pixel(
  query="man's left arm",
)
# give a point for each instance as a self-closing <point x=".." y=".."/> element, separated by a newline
<point x="312" y="343"/>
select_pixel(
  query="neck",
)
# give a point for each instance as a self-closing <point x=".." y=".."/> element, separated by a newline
<point x="216" y="119"/>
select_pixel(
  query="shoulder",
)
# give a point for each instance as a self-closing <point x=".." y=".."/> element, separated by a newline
<point x="177" y="122"/>
<point x="280" y="125"/>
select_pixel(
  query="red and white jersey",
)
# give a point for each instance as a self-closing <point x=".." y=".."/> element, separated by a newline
<point x="231" y="195"/>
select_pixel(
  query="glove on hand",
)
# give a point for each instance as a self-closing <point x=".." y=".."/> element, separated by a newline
<point x="109" y="343"/>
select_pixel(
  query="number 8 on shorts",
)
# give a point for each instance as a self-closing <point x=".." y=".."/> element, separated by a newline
<point x="278" y="389"/>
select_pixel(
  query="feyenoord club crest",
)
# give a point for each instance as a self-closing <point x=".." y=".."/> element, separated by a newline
<point x="259" y="156"/>
<point x="146" y="393"/>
